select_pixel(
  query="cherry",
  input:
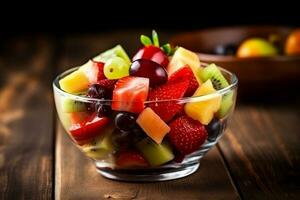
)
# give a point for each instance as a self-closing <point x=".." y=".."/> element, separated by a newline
<point x="152" y="53"/>
<point x="149" y="69"/>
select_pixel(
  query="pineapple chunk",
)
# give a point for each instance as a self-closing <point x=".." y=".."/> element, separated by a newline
<point x="74" y="82"/>
<point x="204" y="110"/>
<point x="184" y="57"/>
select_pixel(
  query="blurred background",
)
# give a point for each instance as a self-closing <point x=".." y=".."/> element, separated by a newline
<point x="98" y="16"/>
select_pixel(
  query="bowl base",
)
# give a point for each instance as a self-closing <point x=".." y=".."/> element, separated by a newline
<point x="148" y="175"/>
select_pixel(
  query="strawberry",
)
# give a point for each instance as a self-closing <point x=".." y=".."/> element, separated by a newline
<point x="89" y="128"/>
<point x="170" y="91"/>
<point x="130" y="93"/>
<point x="131" y="158"/>
<point x="107" y="83"/>
<point x="100" y="65"/>
<point x="93" y="71"/>
<point x="187" y="135"/>
<point x="185" y="73"/>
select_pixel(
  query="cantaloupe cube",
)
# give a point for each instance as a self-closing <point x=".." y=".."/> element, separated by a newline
<point x="74" y="82"/>
<point x="153" y="125"/>
<point x="184" y="57"/>
<point x="204" y="110"/>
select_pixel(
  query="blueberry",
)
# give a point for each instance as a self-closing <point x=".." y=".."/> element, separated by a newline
<point x="228" y="49"/>
<point x="214" y="129"/>
<point x="125" y="121"/>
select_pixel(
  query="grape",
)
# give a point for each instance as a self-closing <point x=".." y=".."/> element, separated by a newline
<point x="125" y="121"/>
<point x="149" y="69"/>
<point x="116" y="68"/>
<point x="214" y="129"/>
<point x="99" y="92"/>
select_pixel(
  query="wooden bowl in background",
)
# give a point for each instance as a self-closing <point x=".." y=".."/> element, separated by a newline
<point x="257" y="76"/>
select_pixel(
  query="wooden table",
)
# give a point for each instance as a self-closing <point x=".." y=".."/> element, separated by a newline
<point x="258" y="157"/>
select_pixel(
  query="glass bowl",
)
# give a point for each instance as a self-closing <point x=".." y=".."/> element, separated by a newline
<point x="104" y="146"/>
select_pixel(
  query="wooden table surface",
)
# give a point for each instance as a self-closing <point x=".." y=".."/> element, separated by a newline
<point x="257" y="158"/>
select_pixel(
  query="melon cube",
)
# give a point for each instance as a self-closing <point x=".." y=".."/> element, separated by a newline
<point x="153" y="125"/>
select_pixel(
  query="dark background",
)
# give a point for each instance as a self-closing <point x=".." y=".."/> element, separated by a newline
<point x="19" y="18"/>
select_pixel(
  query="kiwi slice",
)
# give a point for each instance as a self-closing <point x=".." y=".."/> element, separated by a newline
<point x="70" y="105"/>
<point x="155" y="154"/>
<point x="99" y="148"/>
<point x="117" y="51"/>
<point x="219" y="82"/>
<point x="226" y="104"/>
<point x="214" y="74"/>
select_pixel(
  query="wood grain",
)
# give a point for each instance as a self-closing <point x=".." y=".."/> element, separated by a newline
<point x="26" y="141"/>
<point x="76" y="177"/>
<point x="262" y="151"/>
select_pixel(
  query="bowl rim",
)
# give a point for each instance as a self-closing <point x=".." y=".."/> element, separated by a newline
<point x="230" y="87"/>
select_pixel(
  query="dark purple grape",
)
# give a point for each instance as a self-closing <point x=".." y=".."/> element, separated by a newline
<point x="149" y="69"/>
<point x="214" y="129"/>
<point x="125" y="121"/>
<point x="228" y="49"/>
<point x="98" y="92"/>
<point x="103" y="110"/>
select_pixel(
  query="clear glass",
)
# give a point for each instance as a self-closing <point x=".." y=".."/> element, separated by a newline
<point x="105" y="157"/>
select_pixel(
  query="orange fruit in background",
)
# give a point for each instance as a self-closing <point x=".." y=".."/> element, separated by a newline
<point x="256" y="47"/>
<point x="292" y="45"/>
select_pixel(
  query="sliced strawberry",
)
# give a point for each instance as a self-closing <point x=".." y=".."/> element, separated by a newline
<point x="100" y="74"/>
<point x="187" y="135"/>
<point x="185" y="73"/>
<point x="109" y="84"/>
<point x="93" y="71"/>
<point x="172" y="90"/>
<point x="89" y="128"/>
<point x="131" y="158"/>
<point x="130" y="93"/>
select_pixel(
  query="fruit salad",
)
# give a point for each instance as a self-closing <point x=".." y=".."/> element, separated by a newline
<point x="153" y="110"/>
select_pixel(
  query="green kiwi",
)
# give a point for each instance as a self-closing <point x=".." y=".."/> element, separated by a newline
<point x="219" y="82"/>
<point x="226" y="104"/>
<point x="70" y="105"/>
<point x="155" y="154"/>
<point x="214" y="74"/>
<point x="99" y="148"/>
<point x="110" y="53"/>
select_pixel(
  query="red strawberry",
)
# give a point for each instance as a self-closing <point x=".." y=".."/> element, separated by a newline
<point x="94" y="71"/>
<point x="152" y="53"/>
<point x="100" y="65"/>
<point x="130" y="93"/>
<point x="109" y="84"/>
<point x="89" y="128"/>
<point x="185" y="73"/>
<point x="131" y="159"/>
<point x="173" y="90"/>
<point x="187" y="135"/>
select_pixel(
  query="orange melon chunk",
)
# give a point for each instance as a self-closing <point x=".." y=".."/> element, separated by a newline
<point x="153" y="125"/>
